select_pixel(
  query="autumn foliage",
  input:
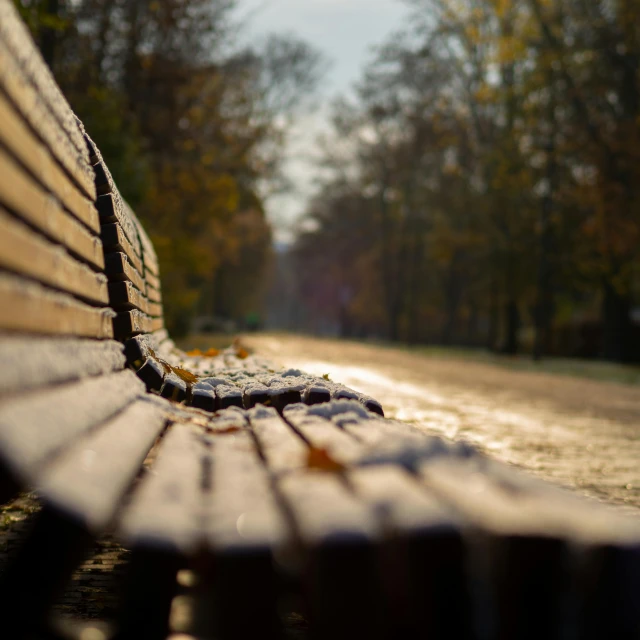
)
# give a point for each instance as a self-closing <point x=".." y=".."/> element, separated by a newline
<point x="482" y="186"/>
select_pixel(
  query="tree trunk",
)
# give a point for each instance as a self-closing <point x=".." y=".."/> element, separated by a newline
<point x="616" y="325"/>
<point x="49" y="35"/>
<point x="512" y="327"/>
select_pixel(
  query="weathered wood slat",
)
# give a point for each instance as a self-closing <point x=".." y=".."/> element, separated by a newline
<point x="149" y="256"/>
<point x="154" y="294"/>
<point x="25" y="252"/>
<point x="114" y="239"/>
<point x="28" y="307"/>
<point x="152" y="373"/>
<point x="529" y="560"/>
<point x="118" y="269"/>
<point x="338" y="533"/>
<point x="17" y="38"/>
<point x="423" y="560"/>
<point x="31" y="362"/>
<point x="36" y="425"/>
<point x="243" y="513"/>
<point x="152" y="280"/>
<point x="174" y="388"/>
<point x="24" y="146"/>
<point x="111" y="208"/>
<point x="167" y="508"/>
<point x="124" y="296"/>
<point x="283" y="449"/>
<point x="89" y="479"/>
<point x="21" y="194"/>
<point x="245" y="526"/>
<point x="154" y="309"/>
<point x="324" y="434"/>
<point x="129" y="323"/>
<point x="30" y="104"/>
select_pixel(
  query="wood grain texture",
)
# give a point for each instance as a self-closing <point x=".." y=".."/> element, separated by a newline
<point x="424" y="560"/>
<point x="119" y="269"/>
<point x="124" y="296"/>
<point x="166" y="510"/>
<point x="31" y="362"/>
<point x="25" y="147"/>
<point x="30" y="103"/>
<point x="283" y="449"/>
<point x="129" y="323"/>
<point x="34" y="426"/>
<point x="114" y="239"/>
<point x="324" y="434"/>
<point x="23" y="196"/>
<point x="89" y="479"/>
<point x="25" y="252"/>
<point x="242" y="510"/>
<point x="28" y="307"/>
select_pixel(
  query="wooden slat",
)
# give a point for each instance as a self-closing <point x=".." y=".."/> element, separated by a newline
<point x="338" y="533"/>
<point x="324" y="434"/>
<point x="283" y="449"/>
<point x="22" y="195"/>
<point x="530" y="528"/>
<point x="124" y="296"/>
<point x="118" y="269"/>
<point x="424" y="559"/>
<point x="36" y="425"/>
<point x="154" y="309"/>
<point x="24" y="146"/>
<point x="89" y="479"/>
<point x="28" y="363"/>
<point x="152" y="280"/>
<point x="149" y="256"/>
<point x="25" y="252"/>
<point x="152" y="373"/>
<point x="129" y="323"/>
<point x="243" y="513"/>
<point x="30" y="104"/>
<point x="245" y="528"/>
<point x="17" y="38"/>
<point x="174" y="388"/>
<point x="111" y="209"/>
<point x="114" y="239"/>
<point x="153" y="294"/>
<point x="28" y="307"/>
<point x="167" y="508"/>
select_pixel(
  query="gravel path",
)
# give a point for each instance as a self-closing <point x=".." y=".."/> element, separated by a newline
<point x="580" y="433"/>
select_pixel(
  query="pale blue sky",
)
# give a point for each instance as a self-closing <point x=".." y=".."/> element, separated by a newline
<point x="344" y="31"/>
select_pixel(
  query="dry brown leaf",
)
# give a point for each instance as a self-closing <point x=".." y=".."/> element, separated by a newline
<point x="226" y="430"/>
<point x="194" y="352"/>
<point x="242" y="353"/>
<point x="321" y="460"/>
<point x="212" y="353"/>
<point x="187" y="376"/>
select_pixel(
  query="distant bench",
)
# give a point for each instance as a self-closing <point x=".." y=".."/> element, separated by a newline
<point x="251" y="490"/>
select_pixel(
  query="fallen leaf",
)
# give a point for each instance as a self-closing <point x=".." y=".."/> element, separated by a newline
<point x="326" y="376"/>
<point x="242" y="353"/>
<point x="194" y="352"/>
<point x="320" y="460"/>
<point x="187" y="376"/>
<point x="212" y="353"/>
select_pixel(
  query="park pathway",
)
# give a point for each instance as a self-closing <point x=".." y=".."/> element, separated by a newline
<point x="580" y="433"/>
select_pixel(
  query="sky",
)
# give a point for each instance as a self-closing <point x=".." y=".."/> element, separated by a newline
<point x="344" y="31"/>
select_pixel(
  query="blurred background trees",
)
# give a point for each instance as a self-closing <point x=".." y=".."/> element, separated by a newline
<point x="487" y="175"/>
<point x="191" y="125"/>
<point x="480" y="186"/>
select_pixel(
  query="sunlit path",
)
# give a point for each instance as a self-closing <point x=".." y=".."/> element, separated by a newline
<point x="577" y="432"/>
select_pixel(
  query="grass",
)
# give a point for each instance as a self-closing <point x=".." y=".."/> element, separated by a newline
<point x="573" y="367"/>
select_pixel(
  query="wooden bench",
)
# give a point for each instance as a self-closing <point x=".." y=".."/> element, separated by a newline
<point x="251" y="490"/>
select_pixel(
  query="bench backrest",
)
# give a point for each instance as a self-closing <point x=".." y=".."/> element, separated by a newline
<point x="78" y="274"/>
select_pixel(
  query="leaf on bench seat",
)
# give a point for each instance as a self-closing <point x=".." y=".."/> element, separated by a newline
<point x="320" y="460"/>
